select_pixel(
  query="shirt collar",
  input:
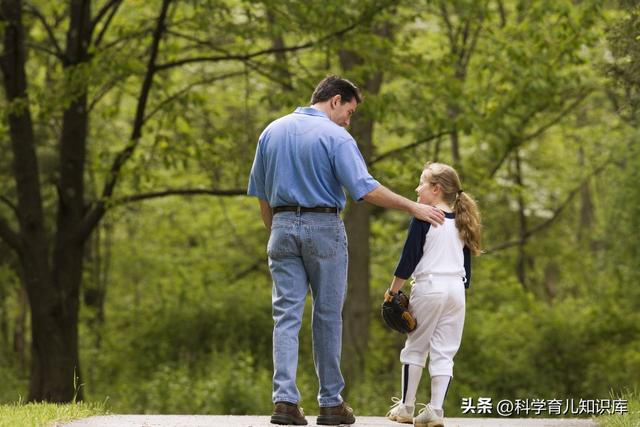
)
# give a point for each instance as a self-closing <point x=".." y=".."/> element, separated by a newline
<point x="310" y="111"/>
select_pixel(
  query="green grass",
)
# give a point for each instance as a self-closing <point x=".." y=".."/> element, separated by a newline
<point x="45" y="414"/>
<point x="630" y="419"/>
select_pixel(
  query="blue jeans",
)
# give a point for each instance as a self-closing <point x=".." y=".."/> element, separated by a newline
<point x="308" y="250"/>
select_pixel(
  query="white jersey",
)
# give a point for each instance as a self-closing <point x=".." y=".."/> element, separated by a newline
<point x="442" y="252"/>
<point x="434" y="250"/>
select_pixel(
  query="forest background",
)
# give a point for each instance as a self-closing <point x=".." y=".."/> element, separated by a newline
<point x="133" y="267"/>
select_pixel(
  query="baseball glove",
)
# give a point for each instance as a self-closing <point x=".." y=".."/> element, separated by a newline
<point x="395" y="312"/>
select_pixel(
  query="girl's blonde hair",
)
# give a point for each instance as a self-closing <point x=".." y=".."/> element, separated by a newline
<point x="465" y="208"/>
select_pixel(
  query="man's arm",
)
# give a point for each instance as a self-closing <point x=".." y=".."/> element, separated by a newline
<point x="386" y="198"/>
<point x="267" y="214"/>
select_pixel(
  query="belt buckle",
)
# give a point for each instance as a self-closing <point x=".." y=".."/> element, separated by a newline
<point x="298" y="210"/>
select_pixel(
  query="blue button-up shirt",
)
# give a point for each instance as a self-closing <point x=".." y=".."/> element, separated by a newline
<point x="305" y="159"/>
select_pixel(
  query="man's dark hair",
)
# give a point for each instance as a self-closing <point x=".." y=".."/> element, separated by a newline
<point x="334" y="85"/>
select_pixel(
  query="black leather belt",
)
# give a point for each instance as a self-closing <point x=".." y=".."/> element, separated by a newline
<point x="302" y="209"/>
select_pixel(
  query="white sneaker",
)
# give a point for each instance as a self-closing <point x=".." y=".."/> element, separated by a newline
<point x="400" y="412"/>
<point x="429" y="417"/>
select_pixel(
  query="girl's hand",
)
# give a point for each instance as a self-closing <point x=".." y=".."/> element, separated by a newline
<point x="396" y="284"/>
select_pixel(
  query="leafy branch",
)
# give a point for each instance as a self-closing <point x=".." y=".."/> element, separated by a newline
<point x="519" y="141"/>
<point x="556" y="213"/>
<point x="98" y="210"/>
<point x="178" y="192"/>
<point x="398" y="150"/>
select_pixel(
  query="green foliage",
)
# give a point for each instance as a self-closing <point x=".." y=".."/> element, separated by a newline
<point x="631" y="418"/>
<point x="225" y="384"/>
<point x="622" y="64"/>
<point x="14" y="384"/>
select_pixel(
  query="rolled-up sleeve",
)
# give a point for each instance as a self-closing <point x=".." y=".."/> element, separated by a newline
<point x="257" y="177"/>
<point x="351" y="170"/>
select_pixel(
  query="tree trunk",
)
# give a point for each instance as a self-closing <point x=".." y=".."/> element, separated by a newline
<point x="551" y="277"/>
<point x="68" y="255"/>
<point x="586" y="205"/>
<point x="54" y="359"/>
<point x="4" y="319"/>
<point x="521" y="265"/>
<point x="463" y="37"/>
<point x="55" y="368"/>
<point x="357" y="310"/>
<point x="98" y="255"/>
<point x="283" y="73"/>
<point x="4" y="293"/>
<point x="19" y="331"/>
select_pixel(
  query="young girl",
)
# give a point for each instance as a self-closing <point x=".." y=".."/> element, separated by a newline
<point x="439" y="259"/>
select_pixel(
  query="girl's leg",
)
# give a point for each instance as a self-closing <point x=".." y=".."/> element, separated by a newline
<point x="445" y="342"/>
<point x="439" y="388"/>
<point x="402" y="410"/>
<point x="410" y="381"/>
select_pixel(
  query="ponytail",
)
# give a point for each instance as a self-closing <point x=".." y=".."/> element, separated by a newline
<point x="468" y="221"/>
<point x="465" y="208"/>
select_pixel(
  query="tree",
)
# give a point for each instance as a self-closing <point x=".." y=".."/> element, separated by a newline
<point x="49" y="230"/>
<point x="52" y="261"/>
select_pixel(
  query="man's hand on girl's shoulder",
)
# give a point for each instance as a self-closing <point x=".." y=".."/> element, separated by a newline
<point x="430" y="214"/>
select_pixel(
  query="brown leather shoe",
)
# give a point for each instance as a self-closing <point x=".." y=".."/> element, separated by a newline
<point x="288" y="413"/>
<point x="335" y="415"/>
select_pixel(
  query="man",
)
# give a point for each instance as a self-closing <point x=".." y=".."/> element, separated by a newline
<point x="303" y="161"/>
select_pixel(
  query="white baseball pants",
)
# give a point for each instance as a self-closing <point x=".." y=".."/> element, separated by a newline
<point x="438" y="304"/>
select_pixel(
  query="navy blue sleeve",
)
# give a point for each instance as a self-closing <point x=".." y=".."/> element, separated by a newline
<point x="467" y="266"/>
<point x="413" y="248"/>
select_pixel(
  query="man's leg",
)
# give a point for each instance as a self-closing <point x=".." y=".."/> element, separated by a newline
<point x="325" y="259"/>
<point x="290" y="286"/>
